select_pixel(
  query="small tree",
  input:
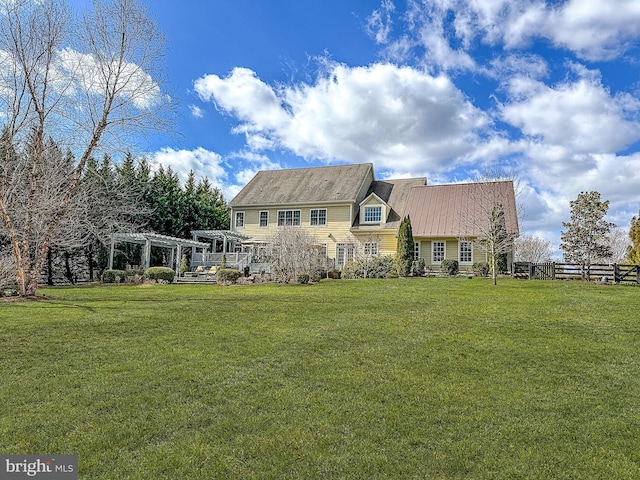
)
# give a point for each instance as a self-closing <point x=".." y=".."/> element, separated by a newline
<point x="532" y="249"/>
<point x="483" y="219"/>
<point x="404" y="255"/>
<point x="633" y="251"/>
<point x="293" y="252"/>
<point x="585" y="238"/>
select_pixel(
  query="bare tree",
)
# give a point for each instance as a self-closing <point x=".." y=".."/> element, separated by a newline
<point x="532" y="249"/>
<point x="619" y="243"/>
<point x="294" y="251"/>
<point x="84" y="84"/>
<point x="488" y="218"/>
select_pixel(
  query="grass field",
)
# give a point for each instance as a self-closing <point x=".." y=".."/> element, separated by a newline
<point x="398" y="378"/>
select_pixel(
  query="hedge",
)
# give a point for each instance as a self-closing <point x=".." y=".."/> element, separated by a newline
<point x="228" y="275"/>
<point x="450" y="266"/>
<point x="160" y="273"/>
<point x="114" y="276"/>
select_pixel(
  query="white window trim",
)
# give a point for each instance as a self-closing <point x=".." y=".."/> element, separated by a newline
<point x="235" y="219"/>
<point x="433" y="242"/>
<point x="260" y="218"/>
<point x="285" y="220"/>
<point x="364" y="213"/>
<point x="460" y="253"/>
<point x="416" y="255"/>
<point x="325" y="217"/>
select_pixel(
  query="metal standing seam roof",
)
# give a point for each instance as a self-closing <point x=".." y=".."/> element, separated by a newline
<point x="339" y="183"/>
<point x="447" y="210"/>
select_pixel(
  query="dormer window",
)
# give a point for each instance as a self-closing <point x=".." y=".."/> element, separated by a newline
<point x="373" y="214"/>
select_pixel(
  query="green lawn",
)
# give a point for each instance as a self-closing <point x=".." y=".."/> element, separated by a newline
<point x="398" y="378"/>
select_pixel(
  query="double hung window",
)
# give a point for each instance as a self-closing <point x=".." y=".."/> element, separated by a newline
<point x="318" y="217"/>
<point x="466" y="252"/>
<point x="288" y="218"/>
<point x="437" y="252"/>
<point x="239" y="219"/>
<point x="264" y="219"/>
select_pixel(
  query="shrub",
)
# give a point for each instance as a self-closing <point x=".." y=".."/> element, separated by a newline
<point x="481" y="269"/>
<point x="335" y="274"/>
<point x="418" y="267"/>
<point x="160" y="273"/>
<point x="450" y="266"/>
<point x="316" y="276"/>
<point x="114" y="276"/>
<point x="184" y="264"/>
<point x="374" y="267"/>
<point x="227" y="276"/>
<point x="303" y="279"/>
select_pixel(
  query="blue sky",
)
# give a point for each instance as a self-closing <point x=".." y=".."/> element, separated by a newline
<point x="437" y="88"/>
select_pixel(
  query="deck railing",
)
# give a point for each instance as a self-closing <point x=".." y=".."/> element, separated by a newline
<point x="235" y="260"/>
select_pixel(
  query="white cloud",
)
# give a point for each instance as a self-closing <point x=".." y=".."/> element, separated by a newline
<point x="397" y="117"/>
<point x="245" y="96"/>
<point x="448" y="31"/>
<point x="580" y="116"/>
<point x="204" y="163"/>
<point x="379" y="22"/>
<point x="196" y="111"/>
<point x="90" y="76"/>
<point x="594" y="29"/>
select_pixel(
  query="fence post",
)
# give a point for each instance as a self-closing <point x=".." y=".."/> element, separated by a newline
<point x="553" y="270"/>
<point x="616" y="273"/>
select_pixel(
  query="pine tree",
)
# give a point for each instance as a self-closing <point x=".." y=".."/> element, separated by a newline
<point x="404" y="255"/>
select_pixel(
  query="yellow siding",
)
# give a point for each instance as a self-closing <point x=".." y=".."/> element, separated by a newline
<point x="451" y="252"/>
<point x="337" y="228"/>
<point x="387" y="241"/>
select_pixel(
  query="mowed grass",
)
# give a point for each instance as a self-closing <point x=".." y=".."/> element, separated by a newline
<point x="397" y="378"/>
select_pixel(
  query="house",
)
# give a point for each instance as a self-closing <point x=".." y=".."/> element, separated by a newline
<point x="351" y="213"/>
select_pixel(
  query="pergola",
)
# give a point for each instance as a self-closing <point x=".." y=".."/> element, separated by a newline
<point x="226" y="236"/>
<point x="155" y="240"/>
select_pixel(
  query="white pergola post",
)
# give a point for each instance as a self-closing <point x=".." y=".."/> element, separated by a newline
<point x="172" y="259"/>
<point x="147" y="254"/>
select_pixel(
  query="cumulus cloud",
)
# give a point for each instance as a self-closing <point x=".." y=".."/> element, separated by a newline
<point x="581" y="116"/>
<point x="398" y="117"/>
<point x="594" y="30"/>
<point x="204" y="163"/>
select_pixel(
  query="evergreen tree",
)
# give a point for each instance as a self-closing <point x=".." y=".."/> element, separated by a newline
<point x="405" y="248"/>
<point x="633" y="251"/>
<point x="586" y="236"/>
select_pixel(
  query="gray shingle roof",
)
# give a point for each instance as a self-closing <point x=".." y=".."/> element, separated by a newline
<point x="304" y="185"/>
<point x="447" y="210"/>
<point x="394" y="193"/>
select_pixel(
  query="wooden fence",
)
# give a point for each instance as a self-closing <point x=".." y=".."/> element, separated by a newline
<point x="566" y="271"/>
